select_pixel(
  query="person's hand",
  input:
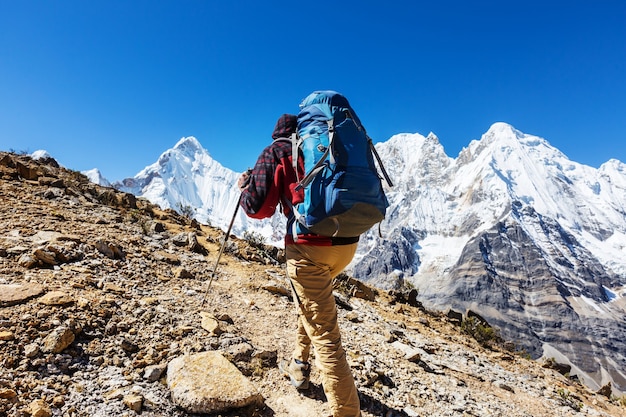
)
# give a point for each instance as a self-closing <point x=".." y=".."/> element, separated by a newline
<point x="243" y="180"/>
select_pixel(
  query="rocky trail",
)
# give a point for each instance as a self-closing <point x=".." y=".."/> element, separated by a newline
<point x="104" y="311"/>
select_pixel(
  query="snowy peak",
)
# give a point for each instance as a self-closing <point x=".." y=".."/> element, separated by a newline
<point x="185" y="151"/>
<point x="503" y="140"/>
<point x="40" y="154"/>
<point x="184" y="177"/>
<point x="613" y="165"/>
<point x="188" y="142"/>
<point x="185" y="159"/>
<point x="45" y="157"/>
<point x="411" y="156"/>
<point x="189" y="146"/>
<point x="96" y="177"/>
<point x="504" y="129"/>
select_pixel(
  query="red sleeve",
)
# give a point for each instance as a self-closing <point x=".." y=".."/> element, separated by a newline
<point x="267" y="181"/>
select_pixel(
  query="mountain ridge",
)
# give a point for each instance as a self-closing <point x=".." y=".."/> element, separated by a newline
<point x="504" y="192"/>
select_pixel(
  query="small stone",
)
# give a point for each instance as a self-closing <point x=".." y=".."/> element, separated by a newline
<point x="110" y="287"/>
<point x="31" y="350"/>
<point x="149" y="300"/>
<point x="39" y="408"/>
<point x="58" y="401"/>
<point x="195" y="246"/>
<point x="129" y="346"/>
<point x="27" y="261"/>
<point x="225" y="318"/>
<point x="6" y="335"/>
<point x="241" y="352"/>
<point x="606" y="390"/>
<point x="110" y="250"/>
<point x="276" y="289"/>
<point x="153" y="373"/>
<point x="210" y="324"/>
<point x="353" y="317"/>
<point x="156" y="227"/>
<point x="181" y="239"/>
<point x="182" y="273"/>
<point x="167" y="257"/>
<point x="51" y="181"/>
<point x="115" y="394"/>
<point x="389" y="336"/>
<point x="504" y="386"/>
<point x="56" y="298"/>
<point x="45" y="256"/>
<point x="58" y="340"/>
<point x="410" y="353"/>
<point x="133" y="401"/>
<point x="208" y="383"/>
<point x="7" y="393"/>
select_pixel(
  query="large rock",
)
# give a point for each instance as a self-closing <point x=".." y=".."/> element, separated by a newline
<point x="208" y="383"/>
<point x="58" y="340"/>
<point x="56" y="298"/>
<point x="11" y="294"/>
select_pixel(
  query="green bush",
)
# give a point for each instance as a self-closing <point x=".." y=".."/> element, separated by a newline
<point x="569" y="400"/>
<point x="484" y="334"/>
<point x="255" y="239"/>
<point x="185" y="210"/>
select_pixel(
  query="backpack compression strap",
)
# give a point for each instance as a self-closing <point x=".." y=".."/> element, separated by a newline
<point x="320" y="162"/>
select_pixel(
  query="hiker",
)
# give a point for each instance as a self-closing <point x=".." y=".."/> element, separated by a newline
<point x="312" y="263"/>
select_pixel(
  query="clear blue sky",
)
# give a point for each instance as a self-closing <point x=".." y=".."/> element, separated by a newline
<point x="112" y="84"/>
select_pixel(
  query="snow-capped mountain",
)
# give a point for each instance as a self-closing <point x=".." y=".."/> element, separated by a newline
<point x="510" y="228"/>
<point x="40" y="154"/>
<point x="96" y="177"/>
<point x="187" y="177"/>
<point x="516" y="232"/>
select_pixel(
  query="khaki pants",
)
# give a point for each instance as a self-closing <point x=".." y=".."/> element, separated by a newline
<point x="312" y="269"/>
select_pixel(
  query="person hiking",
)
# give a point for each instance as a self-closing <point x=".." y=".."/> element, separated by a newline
<point x="312" y="263"/>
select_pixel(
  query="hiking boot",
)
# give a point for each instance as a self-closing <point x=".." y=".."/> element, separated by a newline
<point x="297" y="371"/>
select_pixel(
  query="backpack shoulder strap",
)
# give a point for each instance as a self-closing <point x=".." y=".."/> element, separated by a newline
<point x="295" y="144"/>
<point x="371" y="145"/>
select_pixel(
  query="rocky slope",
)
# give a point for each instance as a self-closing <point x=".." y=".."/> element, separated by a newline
<point x="104" y="311"/>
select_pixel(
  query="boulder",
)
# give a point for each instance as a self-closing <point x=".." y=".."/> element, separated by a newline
<point x="208" y="383"/>
<point x="11" y="294"/>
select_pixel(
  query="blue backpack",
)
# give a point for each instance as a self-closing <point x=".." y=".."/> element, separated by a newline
<point x="343" y="193"/>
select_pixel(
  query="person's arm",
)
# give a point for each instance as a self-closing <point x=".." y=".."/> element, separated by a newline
<point x="261" y="194"/>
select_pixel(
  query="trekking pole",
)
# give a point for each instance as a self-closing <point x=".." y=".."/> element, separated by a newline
<point x="219" y="256"/>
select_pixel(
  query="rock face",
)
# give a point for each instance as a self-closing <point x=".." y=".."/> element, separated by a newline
<point x="502" y="271"/>
<point x="90" y="334"/>
<point x="208" y="383"/>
